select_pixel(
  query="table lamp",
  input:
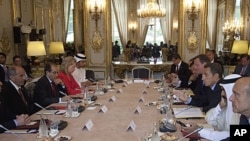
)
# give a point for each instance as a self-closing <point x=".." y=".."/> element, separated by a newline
<point x="36" y="48"/>
<point x="56" y="48"/>
<point x="249" y="50"/>
<point x="240" y="47"/>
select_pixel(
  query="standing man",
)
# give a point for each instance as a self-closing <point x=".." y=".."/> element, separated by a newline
<point x="211" y="77"/>
<point x="79" y="73"/>
<point x="14" y="94"/>
<point x="244" y="67"/>
<point x="3" y="68"/>
<point x="116" y="51"/>
<point x="48" y="86"/>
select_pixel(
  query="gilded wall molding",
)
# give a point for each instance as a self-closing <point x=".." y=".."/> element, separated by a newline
<point x="5" y="43"/>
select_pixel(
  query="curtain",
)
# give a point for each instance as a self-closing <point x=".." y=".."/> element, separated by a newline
<point x="142" y="25"/>
<point x="211" y="23"/>
<point x="67" y="4"/>
<point x="121" y="14"/>
<point x="167" y="21"/>
<point x="246" y="19"/>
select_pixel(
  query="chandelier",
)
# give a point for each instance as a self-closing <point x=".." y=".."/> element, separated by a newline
<point x="151" y="10"/>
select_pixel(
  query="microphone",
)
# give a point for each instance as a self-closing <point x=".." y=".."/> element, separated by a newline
<point x="38" y="105"/>
<point x="195" y="131"/>
<point x="19" y="137"/>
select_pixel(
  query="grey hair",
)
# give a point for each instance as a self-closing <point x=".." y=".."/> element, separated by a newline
<point x="11" y="71"/>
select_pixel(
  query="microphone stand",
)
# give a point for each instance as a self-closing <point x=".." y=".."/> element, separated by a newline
<point x="19" y="137"/>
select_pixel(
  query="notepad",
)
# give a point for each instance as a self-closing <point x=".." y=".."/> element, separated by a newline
<point x="188" y="112"/>
<point x="47" y="112"/>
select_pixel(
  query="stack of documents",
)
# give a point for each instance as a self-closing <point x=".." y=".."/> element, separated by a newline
<point x="188" y="112"/>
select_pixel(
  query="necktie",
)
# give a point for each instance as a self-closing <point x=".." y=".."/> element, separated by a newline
<point x="53" y="87"/>
<point x="242" y="70"/>
<point x="5" y="72"/>
<point x="177" y="69"/>
<point x="21" y="95"/>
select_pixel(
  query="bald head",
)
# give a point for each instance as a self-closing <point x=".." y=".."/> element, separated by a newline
<point x="241" y="96"/>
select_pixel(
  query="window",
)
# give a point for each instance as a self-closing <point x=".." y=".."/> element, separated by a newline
<point x="70" y="32"/>
<point x="154" y="34"/>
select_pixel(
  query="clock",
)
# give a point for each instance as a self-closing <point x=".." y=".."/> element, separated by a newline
<point x="192" y="41"/>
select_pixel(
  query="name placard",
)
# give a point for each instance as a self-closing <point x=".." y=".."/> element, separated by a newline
<point x="144" y="91"/>
<point x="119" y="90"/>
<point x="103" y="109"/>
<point x="131" y="126"/>
<point x="112" y="99"/>
<point x="137" y="110"/>
<point x="88" y="125"/>
<point x="141" y="99"/>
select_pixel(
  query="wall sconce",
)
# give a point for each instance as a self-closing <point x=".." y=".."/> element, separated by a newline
<point x="95" y="10"/>
<point x="240" y="47"/>
<point x="175" y="26"/>
<point x="193" y="10"/>
<point x="132" y="27"/>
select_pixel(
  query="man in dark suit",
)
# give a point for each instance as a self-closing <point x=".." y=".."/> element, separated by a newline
<point x="3" y="68"/>
<point x="48" y="86"/>
<point x="180" y="70"/>
<point x="211" y="78"/>
<point x="211" y="54"/>
<point x="244" y="67"/>
<point x="8" y="120"/>
<point x="14" y="94"/>
<point x="240" y="100"/>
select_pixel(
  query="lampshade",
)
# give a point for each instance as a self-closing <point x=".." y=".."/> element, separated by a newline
<point x="240" y="47"/>
<point x="56" y="48"/>
<point x="36" y="48"/>
<point x="249" y="50"/>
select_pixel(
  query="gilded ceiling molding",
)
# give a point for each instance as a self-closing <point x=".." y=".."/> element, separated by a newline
<point x="5" y="43"/>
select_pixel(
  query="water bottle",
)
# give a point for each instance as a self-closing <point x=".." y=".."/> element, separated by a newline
<point x="68" y="109"/>
<point x="155" y="136"/>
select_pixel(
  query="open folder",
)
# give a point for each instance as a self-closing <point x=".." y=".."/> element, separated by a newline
<point x="188" y="112"/>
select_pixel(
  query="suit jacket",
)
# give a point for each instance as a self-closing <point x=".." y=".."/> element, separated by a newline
<point x="238" y="69"/>
<point x="6" y="118"/>
<point x="14" y="102"/>
<point x="183" y="73"/>
<point x="2" y="74"/>
<point x="43" y="93"/>
<point x="209" y="99"/>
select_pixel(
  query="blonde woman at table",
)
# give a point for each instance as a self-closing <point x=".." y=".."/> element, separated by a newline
<point x="221" y="116"/>
<point x="67" y="68"/>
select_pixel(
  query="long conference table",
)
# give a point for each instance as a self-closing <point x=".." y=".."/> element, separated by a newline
<point x="112" y="124"/>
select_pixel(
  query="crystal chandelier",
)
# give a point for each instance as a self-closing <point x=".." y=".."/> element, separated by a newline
<point x="151" y="10"/>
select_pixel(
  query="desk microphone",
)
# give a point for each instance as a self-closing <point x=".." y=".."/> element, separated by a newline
<point x="38" y="105"/>
<point x="195" y="131"/>
<point x="19" y="137"/>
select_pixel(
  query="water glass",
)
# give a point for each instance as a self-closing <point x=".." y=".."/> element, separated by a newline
<point x="53" y="128"/>
<point x="75" y="109"/>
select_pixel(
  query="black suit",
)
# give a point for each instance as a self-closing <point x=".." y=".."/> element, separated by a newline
<point x="238" y="69"/>
<point x="43" y="93"/>
<point x="2" y="74"/>
<point x="13" y="100"/>
<point x="6" y="118"/>
<point x="183" y="73"/>
<point x="209" y="99"/>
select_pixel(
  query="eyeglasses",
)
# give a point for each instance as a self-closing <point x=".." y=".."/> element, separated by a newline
<point x="54" y="72"/>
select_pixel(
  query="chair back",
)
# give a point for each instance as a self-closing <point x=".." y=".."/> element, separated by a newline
<point x="90" y="75"/>
<point x="141" y="72"/>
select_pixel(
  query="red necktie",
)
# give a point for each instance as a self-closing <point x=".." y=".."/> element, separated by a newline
<point x="53" y="87"/>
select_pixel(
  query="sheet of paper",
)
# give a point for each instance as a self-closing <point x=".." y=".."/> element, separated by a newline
<point x="188" y="112"/>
